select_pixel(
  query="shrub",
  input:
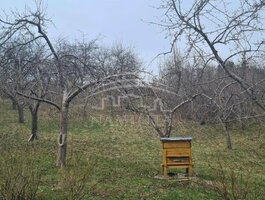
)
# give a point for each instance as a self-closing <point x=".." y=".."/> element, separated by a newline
<point x="233" y="183"/>
<point x="19" y="179"/>
<point x="75" y="178"/>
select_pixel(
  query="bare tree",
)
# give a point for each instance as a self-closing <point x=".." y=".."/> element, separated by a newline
<point x="14" y="69"/>
<point x="25" y="73"/>
<point x="213" y="27"/>
<point x="74" y="68"/>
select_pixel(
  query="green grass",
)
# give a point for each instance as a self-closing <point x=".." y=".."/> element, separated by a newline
<point x="113" y="161"/>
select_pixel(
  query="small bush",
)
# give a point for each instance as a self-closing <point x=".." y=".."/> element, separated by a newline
<point x="19" y="180"/>
<point x="233" y="183"/>
<point x="75" y="178"/>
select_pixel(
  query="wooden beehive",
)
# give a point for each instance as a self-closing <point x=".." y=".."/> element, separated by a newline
<point x="176" y="154"/>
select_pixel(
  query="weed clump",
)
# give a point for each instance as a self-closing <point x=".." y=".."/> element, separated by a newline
<point x="74" y="180"/>
<point x="19" y="177"/>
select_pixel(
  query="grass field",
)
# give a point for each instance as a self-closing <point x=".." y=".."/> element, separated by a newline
<point x="113" y="161"/>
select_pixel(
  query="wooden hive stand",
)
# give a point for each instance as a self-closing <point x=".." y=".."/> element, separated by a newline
<point x="176" y="154"/>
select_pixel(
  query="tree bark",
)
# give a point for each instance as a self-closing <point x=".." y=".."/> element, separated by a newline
<point x="228" y="137"/>
<point x="34" y="122"/>
<point x="62" y="139"/>
<point x="84" y="115"/>
<point x="20" y="108"/>
<point x="14" y="105"/>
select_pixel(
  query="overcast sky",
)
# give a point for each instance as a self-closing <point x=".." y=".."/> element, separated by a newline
<point x="114" y="21"/>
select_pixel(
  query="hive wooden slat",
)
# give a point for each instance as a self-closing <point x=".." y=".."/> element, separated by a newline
<point x="169" y="145"/>
<point x="178" y="152"/>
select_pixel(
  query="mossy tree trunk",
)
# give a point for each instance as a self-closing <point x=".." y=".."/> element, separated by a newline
<point x="34" y="121"/>
<point x="227" y="133"/>
<point x="14" y="105"/>
<point x="21" y="117"/>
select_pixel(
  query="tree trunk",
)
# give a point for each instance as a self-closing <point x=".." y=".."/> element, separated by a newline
<point x="62" y="139"/>
<point x="167" y="130"/>
<point x="228" y="140"/>
<point x="14" y="105"/>
<point x="228" y="137"/>
<point x="34" y="122"/>
<point x="85" y="110"/>
<point x="21" y="118"/>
